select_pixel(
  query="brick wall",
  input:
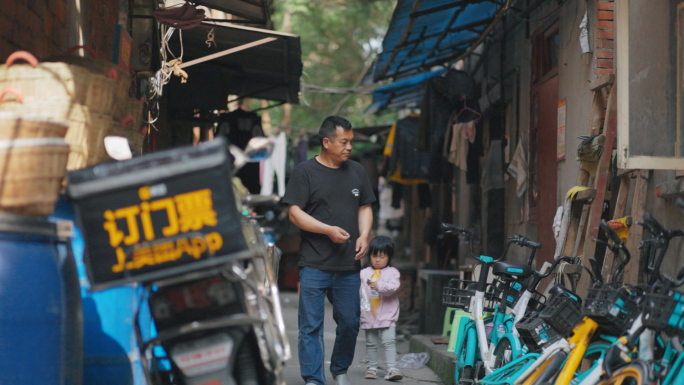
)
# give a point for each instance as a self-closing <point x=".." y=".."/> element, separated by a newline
<point x="42" y="26"/>
<point x="104" y="15"/>
<point x="605" y="42"/>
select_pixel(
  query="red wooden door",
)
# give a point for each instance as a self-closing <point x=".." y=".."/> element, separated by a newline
<point x="543" y="137"/>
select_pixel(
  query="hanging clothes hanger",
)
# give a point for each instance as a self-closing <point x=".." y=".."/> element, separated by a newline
<point x="466" y="108"/>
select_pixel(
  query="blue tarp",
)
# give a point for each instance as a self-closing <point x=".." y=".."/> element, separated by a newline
<point x="401" y="93"/>
<point x="437" y="32"/>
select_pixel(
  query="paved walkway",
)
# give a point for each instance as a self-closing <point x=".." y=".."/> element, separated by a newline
<point x="290" y="301"/>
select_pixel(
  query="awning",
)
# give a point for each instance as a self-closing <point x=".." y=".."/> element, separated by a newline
<point x="423" y="34"/>
<point x="402" y="93"/>
<point x="268" y="69"/>
<point x="252" y="10"/>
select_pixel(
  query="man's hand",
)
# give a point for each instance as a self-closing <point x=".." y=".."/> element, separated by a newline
<point x="361" y="247"/>
<point x="338" y="235"/>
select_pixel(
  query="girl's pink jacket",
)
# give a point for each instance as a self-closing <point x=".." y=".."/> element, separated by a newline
<point x="387" y="313"/>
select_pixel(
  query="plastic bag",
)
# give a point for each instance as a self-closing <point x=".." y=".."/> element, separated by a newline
<point x="413" y="360"/>
<point x="365" y="301"/>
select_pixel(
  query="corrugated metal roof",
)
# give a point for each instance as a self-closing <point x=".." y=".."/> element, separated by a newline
<point x="423" y="34"/>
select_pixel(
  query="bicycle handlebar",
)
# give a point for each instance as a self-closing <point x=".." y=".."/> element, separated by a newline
<point x="610" y="233"/>
<point x="450" y="229"/>
<point x="664" y="236"/>
<point x="523" y="242"/>
<point x="617" y="246"/>
<point x="517" y="239"/>
<point x="550" y="270"/>
<point x="537" y="276"/>
<point x="253" y="200"/>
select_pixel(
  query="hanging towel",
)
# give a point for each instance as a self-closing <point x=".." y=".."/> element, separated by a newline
<point x="275" y="164"/>
<point x="518" y="168"/>
<point x="458" y="151"/>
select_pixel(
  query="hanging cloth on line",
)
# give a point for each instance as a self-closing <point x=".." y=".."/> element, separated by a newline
<point x="183" y="17"/>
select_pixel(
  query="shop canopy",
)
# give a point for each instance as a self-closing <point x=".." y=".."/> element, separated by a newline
<point x="403" y="93"/>
<point x="241" y="61"/>
<point x="423" y="34"/>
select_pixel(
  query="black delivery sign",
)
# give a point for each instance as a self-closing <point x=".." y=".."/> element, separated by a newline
<point x="141" y="229"/>
<point x="185" y="212"/>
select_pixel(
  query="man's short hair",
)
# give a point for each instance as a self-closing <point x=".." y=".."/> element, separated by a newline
<point x="329" y="127"/>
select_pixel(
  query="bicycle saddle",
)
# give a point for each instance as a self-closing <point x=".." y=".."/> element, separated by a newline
<point x="560" y="290"/>
<point x="511" y="270"/>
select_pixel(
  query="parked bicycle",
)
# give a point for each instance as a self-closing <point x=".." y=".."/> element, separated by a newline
<point x="476" y="350"/>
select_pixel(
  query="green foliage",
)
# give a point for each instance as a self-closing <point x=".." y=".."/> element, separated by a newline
<point x="338" y="38"/>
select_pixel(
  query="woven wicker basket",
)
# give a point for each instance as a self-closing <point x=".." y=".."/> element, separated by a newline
<point x="31" y="173"/>
<point x="77" y="137"/>
<point x="99" y="127"/>
<point x="12" y="100"/>
<point x="135" y="139"/>
<point x="12" y="126"/>
<point x="118" y="82"/>
<point x="59" y="81"/>
<point x="134" y="109"/>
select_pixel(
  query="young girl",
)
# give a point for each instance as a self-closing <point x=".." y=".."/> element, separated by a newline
<point x="380" y="282"/>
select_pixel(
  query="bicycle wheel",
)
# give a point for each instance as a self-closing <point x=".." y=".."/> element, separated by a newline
<point x="589" y="364"/>
<point x="504" y="353"/>
<point x="636" y="373"/>
<point x="466" y="358"/>
<point x="551" y="370"/>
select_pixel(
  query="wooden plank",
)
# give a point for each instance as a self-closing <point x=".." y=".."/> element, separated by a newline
<point x="581" y="238"/>
<point x="585" y="196"/>
<point x="602" y="176"/>
<point x="631" y="274"/>
<point x="625" y="171"/>
<point x="565" y="229"/>
<point x="597" y="114"/>
<point x="596" y="121"/>
<point x="619" y="212"/>
<point x="575" y="214"/>
<point x="623" y="192"/>
<point x="602" y="81"/>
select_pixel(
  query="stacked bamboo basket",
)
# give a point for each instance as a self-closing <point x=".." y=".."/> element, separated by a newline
<point x="54" y="117"/>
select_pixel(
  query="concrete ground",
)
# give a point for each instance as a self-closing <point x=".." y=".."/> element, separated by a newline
<point x="290" y="300"/>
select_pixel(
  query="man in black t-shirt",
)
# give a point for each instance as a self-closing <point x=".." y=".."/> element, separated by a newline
<point x="330" y="200"/>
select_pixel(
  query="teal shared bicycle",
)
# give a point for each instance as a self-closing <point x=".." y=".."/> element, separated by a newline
<point x="477" y="350"/>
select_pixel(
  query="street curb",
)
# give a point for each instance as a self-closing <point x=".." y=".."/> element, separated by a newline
<point x="441" y="362"/>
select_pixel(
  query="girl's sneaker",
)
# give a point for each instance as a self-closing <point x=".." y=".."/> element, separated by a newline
<point x="371" y="374"/>
<point x="394" y="375"/>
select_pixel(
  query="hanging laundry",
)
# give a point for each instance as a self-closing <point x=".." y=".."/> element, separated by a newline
<point x="183" y="17"/>
<point x="475" y="152"/>
<point x="394" y="169"/>
<point x="239" y="127"/>
<point x="301" y="148"/>
<point x="453" y="92"/>
<point x="492" y="176"/>
<point x="518" y="168"/>
<point x="387" y="209"/>
<point x="462" y="134"/>
<point x="275" y="166"/>
<point x="414" y="164"/>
